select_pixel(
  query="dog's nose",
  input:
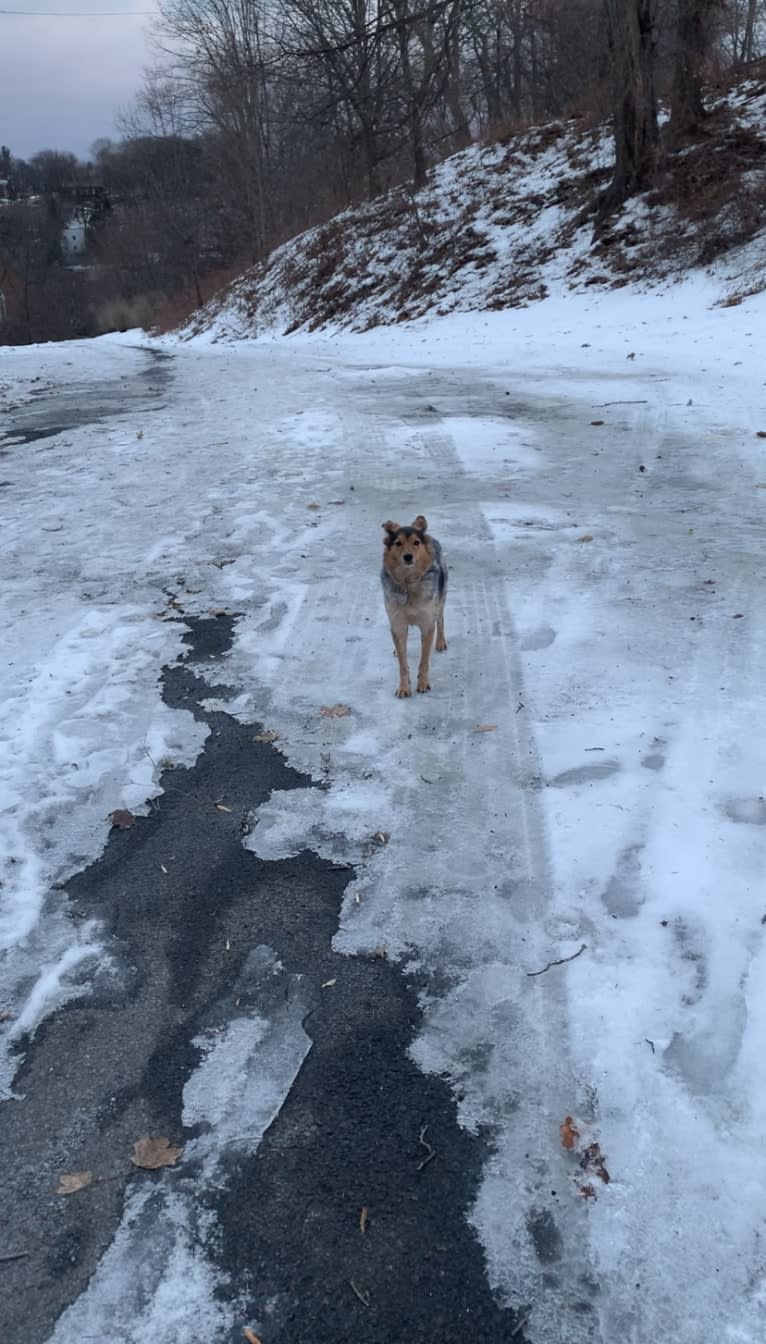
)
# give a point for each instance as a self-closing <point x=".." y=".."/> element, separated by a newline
<point x="408" y="559"/>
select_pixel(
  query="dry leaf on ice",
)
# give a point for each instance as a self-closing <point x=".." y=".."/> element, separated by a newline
<point x="569" y="1133"/>
<point x="268" y="735"/>
<point x="485" y="727"/>
<point x="152" y="1153"/>
<point x="72" y="1181"/>
<point x="587" y="537"/>
<point x="122" y="819"/>
<point x="250" y="1335"/>
<point x="335" y="711"/>
<point x="593" y="1160"/>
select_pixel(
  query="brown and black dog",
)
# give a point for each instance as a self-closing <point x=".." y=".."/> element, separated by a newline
<point x="414" y="578"/>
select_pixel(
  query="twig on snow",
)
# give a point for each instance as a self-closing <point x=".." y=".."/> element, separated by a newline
<point x="364" y="1297"/>
<point x="560" y="961"/>
<point x="431" y="1154"/>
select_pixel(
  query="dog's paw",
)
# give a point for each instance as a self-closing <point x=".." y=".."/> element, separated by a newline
<point x="402" y="692"/>
<point x="441" y="645"/>
<point x="423" y="685"/>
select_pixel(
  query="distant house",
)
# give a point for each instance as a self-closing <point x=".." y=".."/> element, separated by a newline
<point x="74" y="239"/>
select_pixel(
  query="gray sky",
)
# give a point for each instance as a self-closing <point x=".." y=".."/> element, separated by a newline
<point x="62" y="80"/>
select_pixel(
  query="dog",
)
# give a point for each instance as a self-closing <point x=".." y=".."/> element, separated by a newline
<point x="414" y="578"/>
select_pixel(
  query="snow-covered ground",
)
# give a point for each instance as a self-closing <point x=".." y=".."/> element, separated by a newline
<point x="588" y="775"/>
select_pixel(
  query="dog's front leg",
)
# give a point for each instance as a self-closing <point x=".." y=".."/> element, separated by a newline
<point x="399" y="633"/>
<point x="427" y="638"/>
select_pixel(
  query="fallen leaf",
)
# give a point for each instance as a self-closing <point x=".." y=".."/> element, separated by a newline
<point x="569" y="1133"/>
<point x="72" y="1181"/>
<point x="598" y="422"/>
<point x="122" y="818"/>
<point x="381" y="837"/>
<point x="221" y="807"/>
<point x="760" y="434"/>
<point x="250" y="1335"/>
<point x="592" y="1160"/>
<point x="363" y="1219"/>
<point x="334" y="711"/>
<point x="586" y="537"/>
<point x="739" y="616"/>
<point x="268" y="735"/>
<point x="485" y="727"/>
<point x="152" y="1153"/>
<point x="587" y="1192"/>
<point x="313" y="506"/>
<point x="337" y="501"/>
<point x="327" y="983"/>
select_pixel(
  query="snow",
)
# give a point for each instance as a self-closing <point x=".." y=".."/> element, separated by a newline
<point x="154" y="1279"/>
<point x="606" y="636"/>
<point x="159" y="1277"/>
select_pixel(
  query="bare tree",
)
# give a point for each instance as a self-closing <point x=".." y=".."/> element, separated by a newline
<point x="742" y="24"/>
<point x="694" y="36"/>
<point x="633" y="33"/>
<point x="344" y="47"/>
<point x="217" y="56"/>
<point x="426" y="40"/>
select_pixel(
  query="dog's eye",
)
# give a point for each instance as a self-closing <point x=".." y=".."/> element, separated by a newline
<point x="416" y="542"/>
<point x="399" y="544"/>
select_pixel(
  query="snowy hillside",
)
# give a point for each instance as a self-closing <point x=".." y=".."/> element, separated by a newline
<point x="506" y="224"/>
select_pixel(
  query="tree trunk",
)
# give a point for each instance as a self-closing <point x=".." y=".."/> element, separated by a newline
<point x="693" y="34"/>
<point x="748" y="43"/>
<point x="411" y="96"/>
<point x="633" y="44"/>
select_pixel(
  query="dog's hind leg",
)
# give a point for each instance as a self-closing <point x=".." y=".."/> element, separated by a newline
<point x="427" y="639"/>
<point x="441" y="642"/>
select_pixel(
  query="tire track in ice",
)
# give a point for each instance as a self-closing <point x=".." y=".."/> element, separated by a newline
<point x="461" y="893"/>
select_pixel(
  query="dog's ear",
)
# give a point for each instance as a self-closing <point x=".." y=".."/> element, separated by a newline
<point x="391" y="528"/>
<point x="420" y="523"/>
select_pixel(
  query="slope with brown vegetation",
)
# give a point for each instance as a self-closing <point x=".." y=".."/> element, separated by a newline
<point x="503" y="225"/>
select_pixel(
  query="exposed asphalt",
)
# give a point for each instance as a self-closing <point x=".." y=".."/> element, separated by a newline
<point x="112" y="1066"/>
<point x="57" y="409"/>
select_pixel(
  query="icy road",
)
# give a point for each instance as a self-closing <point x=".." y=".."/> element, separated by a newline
<point x="456" y="1006"/>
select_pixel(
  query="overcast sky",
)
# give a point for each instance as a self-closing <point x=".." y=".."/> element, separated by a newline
<point x="63" y="80"/>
